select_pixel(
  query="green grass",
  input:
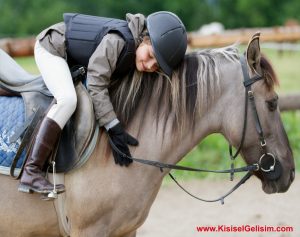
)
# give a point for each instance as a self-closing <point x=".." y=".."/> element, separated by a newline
<point x="212" y="152"/>
<point x="28" y="64"/>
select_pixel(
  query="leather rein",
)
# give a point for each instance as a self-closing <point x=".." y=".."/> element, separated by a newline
<point x="266" y="163"/>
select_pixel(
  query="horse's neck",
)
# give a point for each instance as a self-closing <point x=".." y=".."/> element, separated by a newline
<point x="157" y="143"/>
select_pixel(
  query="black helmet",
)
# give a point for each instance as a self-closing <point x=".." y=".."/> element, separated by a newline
<point x="168" y="38"/>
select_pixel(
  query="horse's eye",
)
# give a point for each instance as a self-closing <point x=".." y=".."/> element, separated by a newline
<point x="272" y="104"/>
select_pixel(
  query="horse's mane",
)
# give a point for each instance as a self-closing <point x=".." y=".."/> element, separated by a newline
<point x="194" y="86"/>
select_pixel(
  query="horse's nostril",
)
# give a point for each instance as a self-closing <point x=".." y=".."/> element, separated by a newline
<point x="292" y="175"/>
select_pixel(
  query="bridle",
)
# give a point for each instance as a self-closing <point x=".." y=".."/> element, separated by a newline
<point x="267" y="163"/>
<point x="268" y="160"/>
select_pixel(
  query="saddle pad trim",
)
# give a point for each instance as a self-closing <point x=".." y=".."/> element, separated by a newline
<point x="86" y="155"/>
<point x="6" y="170"/>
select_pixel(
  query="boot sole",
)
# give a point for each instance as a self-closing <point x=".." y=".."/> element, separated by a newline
<point x="28" y="189"/>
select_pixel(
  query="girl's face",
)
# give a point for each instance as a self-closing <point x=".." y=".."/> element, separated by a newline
<point x="145" y="60"/>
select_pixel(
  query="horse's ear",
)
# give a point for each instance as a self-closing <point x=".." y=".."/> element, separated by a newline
<point x="253" y="53"/>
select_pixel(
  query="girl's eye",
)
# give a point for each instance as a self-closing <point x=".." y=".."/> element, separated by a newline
<point x="151" y="53"/>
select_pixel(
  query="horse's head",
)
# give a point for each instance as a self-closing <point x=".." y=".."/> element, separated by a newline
<point x="265" y="140"/>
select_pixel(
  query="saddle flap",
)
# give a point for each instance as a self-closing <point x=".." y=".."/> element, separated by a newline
<point x="76" y="136"/>
<point x="77" y="133"/>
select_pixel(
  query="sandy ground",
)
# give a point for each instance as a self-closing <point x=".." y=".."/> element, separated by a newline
<point x="175" y="214"/>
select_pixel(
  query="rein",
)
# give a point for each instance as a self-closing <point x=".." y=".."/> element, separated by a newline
<point x="161" y="166"/>
<point x="266" y="163"/>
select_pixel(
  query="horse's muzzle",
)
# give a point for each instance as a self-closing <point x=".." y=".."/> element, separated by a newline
<point x="292" y="177"/>
<point x="270" y="166"/>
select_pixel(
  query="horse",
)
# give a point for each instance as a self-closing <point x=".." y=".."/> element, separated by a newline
<point x="169" y="116"/>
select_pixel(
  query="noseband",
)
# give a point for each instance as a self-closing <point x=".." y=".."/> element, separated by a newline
<point x="267" y="163"/>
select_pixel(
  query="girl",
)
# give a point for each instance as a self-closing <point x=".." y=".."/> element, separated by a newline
<point x="109" y="48"/>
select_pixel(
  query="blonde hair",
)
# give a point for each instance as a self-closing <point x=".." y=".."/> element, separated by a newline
<point x="144" y="37"/>
<point x="193" y="87"/>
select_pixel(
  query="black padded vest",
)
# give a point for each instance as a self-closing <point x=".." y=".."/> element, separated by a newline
<point x="84" y="33"/>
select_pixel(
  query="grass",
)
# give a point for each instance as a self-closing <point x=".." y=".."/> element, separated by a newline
<point x="212" y="152"/>
<point x="28" y="64"/>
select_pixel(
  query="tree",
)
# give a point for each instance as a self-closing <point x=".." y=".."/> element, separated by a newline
<point x="29" y="17"/>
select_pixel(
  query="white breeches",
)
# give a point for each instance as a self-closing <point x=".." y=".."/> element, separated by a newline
<point x="58" y="79"/>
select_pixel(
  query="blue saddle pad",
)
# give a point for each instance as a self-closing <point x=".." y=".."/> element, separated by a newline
<point x="12" y="116"/>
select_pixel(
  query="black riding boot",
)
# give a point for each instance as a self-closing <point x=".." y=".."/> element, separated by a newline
<point x="32" y="179"/>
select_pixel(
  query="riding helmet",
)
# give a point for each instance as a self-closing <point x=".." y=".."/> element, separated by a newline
<point x="168" y="38"/>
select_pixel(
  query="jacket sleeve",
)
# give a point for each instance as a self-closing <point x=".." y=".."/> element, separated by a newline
<point x="101" y="66"/>
<point x="53" y="39"/>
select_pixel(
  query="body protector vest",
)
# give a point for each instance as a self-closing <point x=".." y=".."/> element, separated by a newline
<point x="84" y="33"/>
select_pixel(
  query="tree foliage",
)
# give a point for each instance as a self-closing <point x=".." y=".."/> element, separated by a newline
<point x="29" y="17"/>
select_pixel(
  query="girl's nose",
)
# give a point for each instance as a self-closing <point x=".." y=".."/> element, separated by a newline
<point x="152" y="65"/>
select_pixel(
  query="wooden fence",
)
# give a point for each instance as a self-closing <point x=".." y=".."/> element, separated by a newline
<point x="273" y="34"/>
<point x="25" y="46"/>
<point x="18" y="47"/>
<point x="289" y="102"/>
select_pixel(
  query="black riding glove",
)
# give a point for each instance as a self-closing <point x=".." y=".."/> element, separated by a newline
<point x="121" y="139"/>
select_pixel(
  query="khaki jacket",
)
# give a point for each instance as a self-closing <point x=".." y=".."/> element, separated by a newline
<point x="101" y="64"/>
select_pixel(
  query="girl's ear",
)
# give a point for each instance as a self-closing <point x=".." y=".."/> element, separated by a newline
<point x="143" y="35"/>
<point x="147" y="40"/>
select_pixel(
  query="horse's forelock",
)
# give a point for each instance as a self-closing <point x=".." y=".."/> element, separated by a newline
<point x="269" y="74"/>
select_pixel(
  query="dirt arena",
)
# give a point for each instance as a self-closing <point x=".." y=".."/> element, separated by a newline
<point x="175" y="214"/>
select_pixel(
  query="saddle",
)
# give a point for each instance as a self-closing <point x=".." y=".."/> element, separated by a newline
<point x="80" y="133"/>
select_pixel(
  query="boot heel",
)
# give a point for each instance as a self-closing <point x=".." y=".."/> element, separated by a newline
<point x="24" y="188"/>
